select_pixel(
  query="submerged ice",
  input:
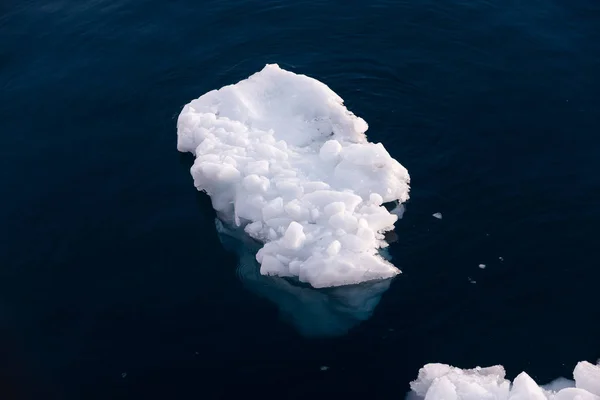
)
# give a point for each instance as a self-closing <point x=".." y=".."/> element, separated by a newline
<point x="312" y="312"/>
<point x="281" y="157"/>
<point x="443" y="382"/>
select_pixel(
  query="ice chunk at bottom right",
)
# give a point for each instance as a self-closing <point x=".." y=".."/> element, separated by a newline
<point x="587" y="377"/>
<point x="444" y="382"/>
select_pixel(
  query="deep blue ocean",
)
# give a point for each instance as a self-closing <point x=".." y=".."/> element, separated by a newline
<point x="115" y="285"/>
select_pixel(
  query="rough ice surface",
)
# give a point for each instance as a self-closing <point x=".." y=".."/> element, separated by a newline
<point x="443" y="382"/>
<point x="437" y="215"/>
<point x="280" y="156"/>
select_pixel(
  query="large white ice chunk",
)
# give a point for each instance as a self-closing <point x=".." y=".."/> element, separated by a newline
<point x="587" y="376"/>
<point x="443" y="382"/>
<point x="280" y="155"/>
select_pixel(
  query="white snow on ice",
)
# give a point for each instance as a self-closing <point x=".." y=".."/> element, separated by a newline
<point x="443" y="382"/>
<point x="280" y="155"/>
<point x="437" y="215"/>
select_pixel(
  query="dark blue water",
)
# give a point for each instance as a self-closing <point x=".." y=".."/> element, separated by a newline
<point x="110" y="263"/>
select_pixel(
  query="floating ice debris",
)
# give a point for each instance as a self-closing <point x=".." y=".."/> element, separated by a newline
<point x="437" y="215"/>
<point x="324" y="368"/>
<point x="124" y="375"/>
<point x="281" y="156"/>
<point x="501" y="258"/>
<point x="471" y="280"/>
<point x="482" y="266"/>
<point x="444" y="382"/>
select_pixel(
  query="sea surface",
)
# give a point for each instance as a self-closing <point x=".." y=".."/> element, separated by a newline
<point x="115" y="283"/>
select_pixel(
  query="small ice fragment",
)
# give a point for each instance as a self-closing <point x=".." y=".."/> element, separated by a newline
<point x="294" y="236"/>
<point x="501" y="258"/>
<point x="324" y="368"/>
<point x="330" y="150"/>
<point x="124" y="375"/>
<point x="376" y="199"/>
<point x="437" y="215"/>
<point x="472" y="280"/>
<point x="482" y="266"/>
